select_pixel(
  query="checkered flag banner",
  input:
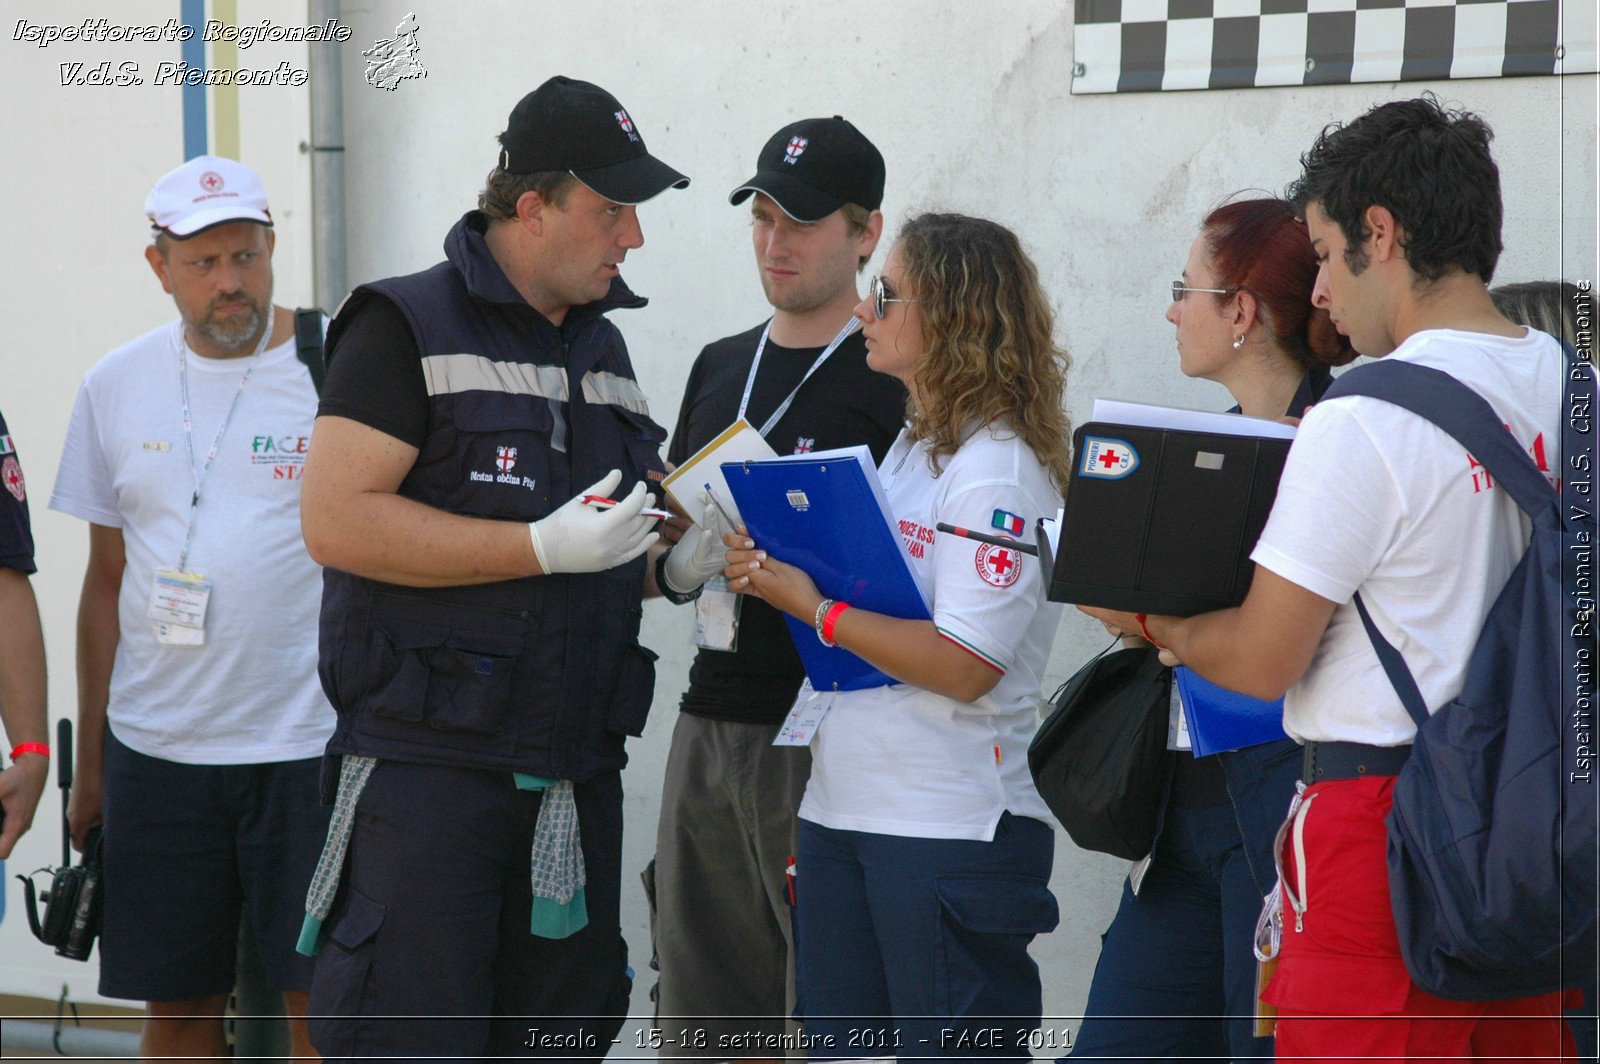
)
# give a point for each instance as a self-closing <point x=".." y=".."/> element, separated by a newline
<point x="1154" y="45"/>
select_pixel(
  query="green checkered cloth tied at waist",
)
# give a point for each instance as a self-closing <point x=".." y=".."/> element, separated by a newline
<point x="556" y="865"/>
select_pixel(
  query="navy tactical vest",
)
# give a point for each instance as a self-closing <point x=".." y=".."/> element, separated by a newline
<point x="542" y="675"/>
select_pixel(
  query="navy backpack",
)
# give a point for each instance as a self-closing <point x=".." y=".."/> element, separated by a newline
<point x="1492" y="838"/>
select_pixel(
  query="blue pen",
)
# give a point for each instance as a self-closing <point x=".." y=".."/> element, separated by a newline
<point x="732" y="524"/>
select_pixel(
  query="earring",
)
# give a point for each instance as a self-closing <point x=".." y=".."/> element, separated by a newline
<point x="1238" y="342"/>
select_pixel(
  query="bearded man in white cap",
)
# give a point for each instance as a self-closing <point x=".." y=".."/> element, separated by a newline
<point x="200" y="719"/>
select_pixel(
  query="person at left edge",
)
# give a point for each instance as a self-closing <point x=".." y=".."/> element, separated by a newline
<point x="22" y="676"/>
<point x="479" y="623"/>
<point x="198" y="742"/>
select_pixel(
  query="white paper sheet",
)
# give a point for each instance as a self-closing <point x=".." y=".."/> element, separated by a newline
<point x="1150" y="416"/>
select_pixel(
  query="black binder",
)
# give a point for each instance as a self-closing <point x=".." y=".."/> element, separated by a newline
<point x="1163" y="520"/>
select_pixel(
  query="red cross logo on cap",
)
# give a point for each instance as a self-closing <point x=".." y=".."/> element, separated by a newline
<point x="796" y="148"/>
<point x="1000" y="566"/>
<point x="211" y="181"/>
<point x="1109" y="457"/>
<point x="11" y="475"/>
<point x="505" y="458"/>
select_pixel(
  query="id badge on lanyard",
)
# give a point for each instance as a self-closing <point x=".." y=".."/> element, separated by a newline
<point x="716" y="619"/>
<point x="716" y="616"/>
<point x="180" y="597"/>
<point x="800" y="727"/>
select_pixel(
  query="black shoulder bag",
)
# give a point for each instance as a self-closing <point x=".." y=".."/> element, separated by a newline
<point x="1100" y="759"/>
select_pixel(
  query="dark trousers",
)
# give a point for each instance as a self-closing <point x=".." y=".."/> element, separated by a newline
<point x="428" y="950"/>
<point x="916" y="947"/>
<point x="1176" y="975"/>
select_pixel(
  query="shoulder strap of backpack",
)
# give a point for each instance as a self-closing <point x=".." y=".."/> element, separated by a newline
<point x="308" y="343"/>
<point x="1394" y="666"/>
<point x="1439" y="398"/>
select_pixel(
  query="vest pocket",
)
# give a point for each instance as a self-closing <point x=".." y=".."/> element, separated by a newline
<point x="454" y="679"/>
<point x="470" y="686"/>
<point x="636" y="687"/>
<point x="399" y="669"/>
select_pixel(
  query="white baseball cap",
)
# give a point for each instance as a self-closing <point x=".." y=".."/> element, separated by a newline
<point x="206" y="191"/>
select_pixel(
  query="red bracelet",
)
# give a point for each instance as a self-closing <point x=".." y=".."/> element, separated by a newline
<point x="1148" y="638"/>
<point x="29" y="748"/>
<point x="832" y="618"/>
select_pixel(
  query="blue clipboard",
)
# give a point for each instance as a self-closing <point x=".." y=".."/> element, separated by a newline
<point x="824" y="514"/>
<point x="1220" y="719"/>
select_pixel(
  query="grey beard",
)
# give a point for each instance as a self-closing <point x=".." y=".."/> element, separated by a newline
<point x="235" y="338"/>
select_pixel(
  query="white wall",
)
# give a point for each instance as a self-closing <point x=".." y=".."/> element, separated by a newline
<point x="969" y="104"/>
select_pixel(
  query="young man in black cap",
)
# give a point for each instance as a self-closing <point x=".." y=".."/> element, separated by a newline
<point x="722" y="892"/>
<point x="480" y="618"/>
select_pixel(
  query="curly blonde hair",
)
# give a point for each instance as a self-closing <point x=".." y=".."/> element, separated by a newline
<point x="989" y="331"/>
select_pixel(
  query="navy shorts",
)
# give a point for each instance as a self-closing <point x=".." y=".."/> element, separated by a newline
<point x="189" y="849"/>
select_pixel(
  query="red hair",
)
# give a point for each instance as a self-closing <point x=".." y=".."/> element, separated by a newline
<point x="1258" y="245"/>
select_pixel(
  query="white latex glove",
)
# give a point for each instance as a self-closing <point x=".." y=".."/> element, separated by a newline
<point x="586" y="539"/>
<point x="699" y="555"/>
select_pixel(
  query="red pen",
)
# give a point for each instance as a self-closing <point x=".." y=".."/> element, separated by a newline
<point x="605" y="503"/>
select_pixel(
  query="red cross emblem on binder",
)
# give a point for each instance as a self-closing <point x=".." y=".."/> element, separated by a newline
<point x="1107" y="459"/>
<point x="505" y="458"/>
<point x="1000" y="566"/>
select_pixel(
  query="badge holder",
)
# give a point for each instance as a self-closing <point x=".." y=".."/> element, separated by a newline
<point x="800" y="727"/>
<point x="1178" y="724"/>
<point x="178" y="602"/>
<point x="716" y="616"/>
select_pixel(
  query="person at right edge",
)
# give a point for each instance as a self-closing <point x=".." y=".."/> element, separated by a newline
<point x="723" y="935"/>
<point x="1557" y="308"/>
<point x="479" y="620"/>
<point x="1244" y="319"/>
<point x="1404" y="211"/>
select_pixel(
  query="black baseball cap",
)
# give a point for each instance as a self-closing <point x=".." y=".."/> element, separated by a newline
<point x="571" y="125"/>
<point x="814" y="166"/>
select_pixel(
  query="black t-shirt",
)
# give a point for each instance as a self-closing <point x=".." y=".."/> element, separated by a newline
<point x="842" y="405"/>
<point x="377" y="377"/>
<point x="16" y="536"/>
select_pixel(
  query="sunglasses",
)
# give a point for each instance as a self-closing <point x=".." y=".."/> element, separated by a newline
<point x="1179" y="290"/>
<point x="882" y="295"/>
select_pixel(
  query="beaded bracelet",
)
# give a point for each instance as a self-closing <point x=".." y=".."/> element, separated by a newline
<point x="822" y="611"/>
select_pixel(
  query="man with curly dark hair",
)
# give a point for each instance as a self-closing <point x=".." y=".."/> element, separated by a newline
<point x="1403" y="208"/>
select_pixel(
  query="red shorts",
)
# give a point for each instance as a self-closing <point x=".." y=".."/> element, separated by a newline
<point x="1341" y="987"/>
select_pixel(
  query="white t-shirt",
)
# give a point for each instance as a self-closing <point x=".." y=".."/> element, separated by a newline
<point x="901" y="760"/>
<point x="1377" y="499"/>
<point x="250" y="694"/>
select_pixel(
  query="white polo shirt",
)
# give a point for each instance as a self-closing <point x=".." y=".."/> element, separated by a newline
<point x="901" y="760"/>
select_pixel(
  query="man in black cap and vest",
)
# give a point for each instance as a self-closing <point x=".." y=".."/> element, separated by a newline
<point x="476" y="488"/>
<point x="722" y="892"/>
